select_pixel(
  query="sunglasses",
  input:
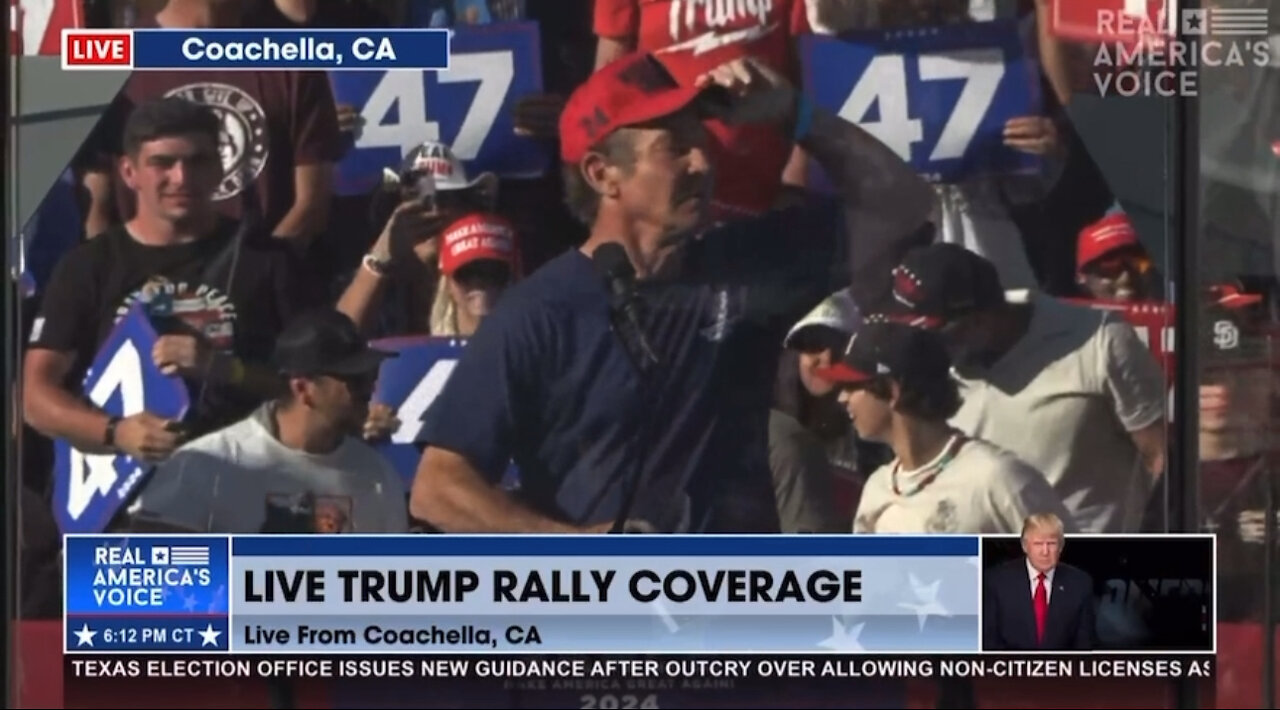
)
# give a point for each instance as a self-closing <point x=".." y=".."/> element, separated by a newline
<point x="484" y="273"/>
<point x="356" y="381"/>
<point x="1111" y="266"/>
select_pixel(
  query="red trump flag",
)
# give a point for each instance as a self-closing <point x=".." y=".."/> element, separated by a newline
<point x="35" y="26"/>
<point x="1125" y="21"/>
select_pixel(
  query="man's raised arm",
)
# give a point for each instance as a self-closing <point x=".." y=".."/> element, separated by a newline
<point x="887" y="206"/>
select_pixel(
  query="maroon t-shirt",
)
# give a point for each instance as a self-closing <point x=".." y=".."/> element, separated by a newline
<point x="272" y="122"/>
<point x="1233" y="504"/>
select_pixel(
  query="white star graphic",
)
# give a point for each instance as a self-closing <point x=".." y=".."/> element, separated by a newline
<point x="209" y="637"/>
<point x="189" y="602"/>
<point x="843" y="638"/>
<point x="84" y="637"/>
<point x="663" y="613"/>
<point x="927" y="603"/>
<point x="217" y="597"/>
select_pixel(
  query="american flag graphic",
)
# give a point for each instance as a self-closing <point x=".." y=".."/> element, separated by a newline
<point x="1238" y="21"/>
<point x="189" y="555"/>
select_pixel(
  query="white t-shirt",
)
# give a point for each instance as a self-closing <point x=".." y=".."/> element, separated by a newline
<point x="1064" y="400"/>
<point x="980" y="490"/>
<point x="241" y="479"/>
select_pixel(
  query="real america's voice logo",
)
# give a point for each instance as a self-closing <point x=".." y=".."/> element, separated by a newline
<point x="125" y="577"/>
<point x="1165" y="54"/>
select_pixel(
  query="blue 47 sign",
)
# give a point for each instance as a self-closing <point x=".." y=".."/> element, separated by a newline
<point x="89" y="489"/>
<point x="937" y="96"/>
<point x="409" y="384"/>
<point x="469" y="107"/>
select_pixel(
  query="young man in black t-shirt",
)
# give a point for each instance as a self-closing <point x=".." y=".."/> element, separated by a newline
<point x="216" y="296"/>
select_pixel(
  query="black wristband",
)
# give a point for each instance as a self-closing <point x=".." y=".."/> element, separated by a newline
<point x="109" y="436"/>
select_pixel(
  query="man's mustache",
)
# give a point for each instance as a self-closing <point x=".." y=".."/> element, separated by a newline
<point x="692" y="187"/>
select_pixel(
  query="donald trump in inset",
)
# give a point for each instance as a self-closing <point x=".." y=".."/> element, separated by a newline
<point x="1037" y="603"/>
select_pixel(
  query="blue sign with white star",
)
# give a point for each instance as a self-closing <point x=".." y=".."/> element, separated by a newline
<point x="147" y="593"/>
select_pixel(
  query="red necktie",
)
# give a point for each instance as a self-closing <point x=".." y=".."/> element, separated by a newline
<point x="1041" y="604"/>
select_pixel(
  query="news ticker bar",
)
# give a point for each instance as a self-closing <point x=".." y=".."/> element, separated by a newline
<point x="527" y="594"/>
<point x="634" y="667"/>
<point x="254" y="50"/>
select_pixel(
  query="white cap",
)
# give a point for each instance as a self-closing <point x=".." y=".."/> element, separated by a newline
<point x="837" y="311"/>
<point x="438" y="160"/>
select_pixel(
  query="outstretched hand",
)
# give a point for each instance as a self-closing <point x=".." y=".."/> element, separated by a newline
<point x="749" y="91"/>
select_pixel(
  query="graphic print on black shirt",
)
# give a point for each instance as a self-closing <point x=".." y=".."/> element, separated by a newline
<point x="187" y="289"/>
<point x="185" y="308"/>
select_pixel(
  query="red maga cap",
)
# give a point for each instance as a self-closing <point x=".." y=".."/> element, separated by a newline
<point x="631" y="90"/>
<point x="476" y="237"/>
<point x="1108" y="234"/>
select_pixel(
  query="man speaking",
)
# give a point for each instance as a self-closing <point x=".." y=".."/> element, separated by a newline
<point x="1037" y="603"/>
<point x="630" y="379"/>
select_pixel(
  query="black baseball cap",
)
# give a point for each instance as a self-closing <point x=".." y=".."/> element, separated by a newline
<point x="325" y="342"/>
<point x="942" y="282"/>
<point x="884" y="348"/>
<point x="1230" y="331"/>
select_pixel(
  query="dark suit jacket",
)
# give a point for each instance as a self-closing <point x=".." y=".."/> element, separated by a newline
<point x="1009" y="619"/>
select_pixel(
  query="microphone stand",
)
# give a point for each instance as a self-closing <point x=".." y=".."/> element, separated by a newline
<point x="643" y="360"/>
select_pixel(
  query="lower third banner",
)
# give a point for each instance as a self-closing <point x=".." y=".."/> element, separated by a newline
<point x="647" y="594"/>
<point x="590" y="594"/>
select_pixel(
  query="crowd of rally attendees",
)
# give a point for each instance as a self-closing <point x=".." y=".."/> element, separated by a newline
<point x="986" y="385"/>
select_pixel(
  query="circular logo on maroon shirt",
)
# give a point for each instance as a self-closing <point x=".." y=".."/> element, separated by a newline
<point x="243" y="140"/>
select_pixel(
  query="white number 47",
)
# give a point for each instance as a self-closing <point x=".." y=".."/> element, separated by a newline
<point x="404" y="91"/>
<point x="419" y="400"/>
<point x="94" y="474"/>
<point x="885" y="83"/>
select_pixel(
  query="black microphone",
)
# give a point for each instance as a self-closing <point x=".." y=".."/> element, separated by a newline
<point x="613" y="264"/>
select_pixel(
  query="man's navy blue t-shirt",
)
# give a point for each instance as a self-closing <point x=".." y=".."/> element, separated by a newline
<point x="546" y="382"/>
